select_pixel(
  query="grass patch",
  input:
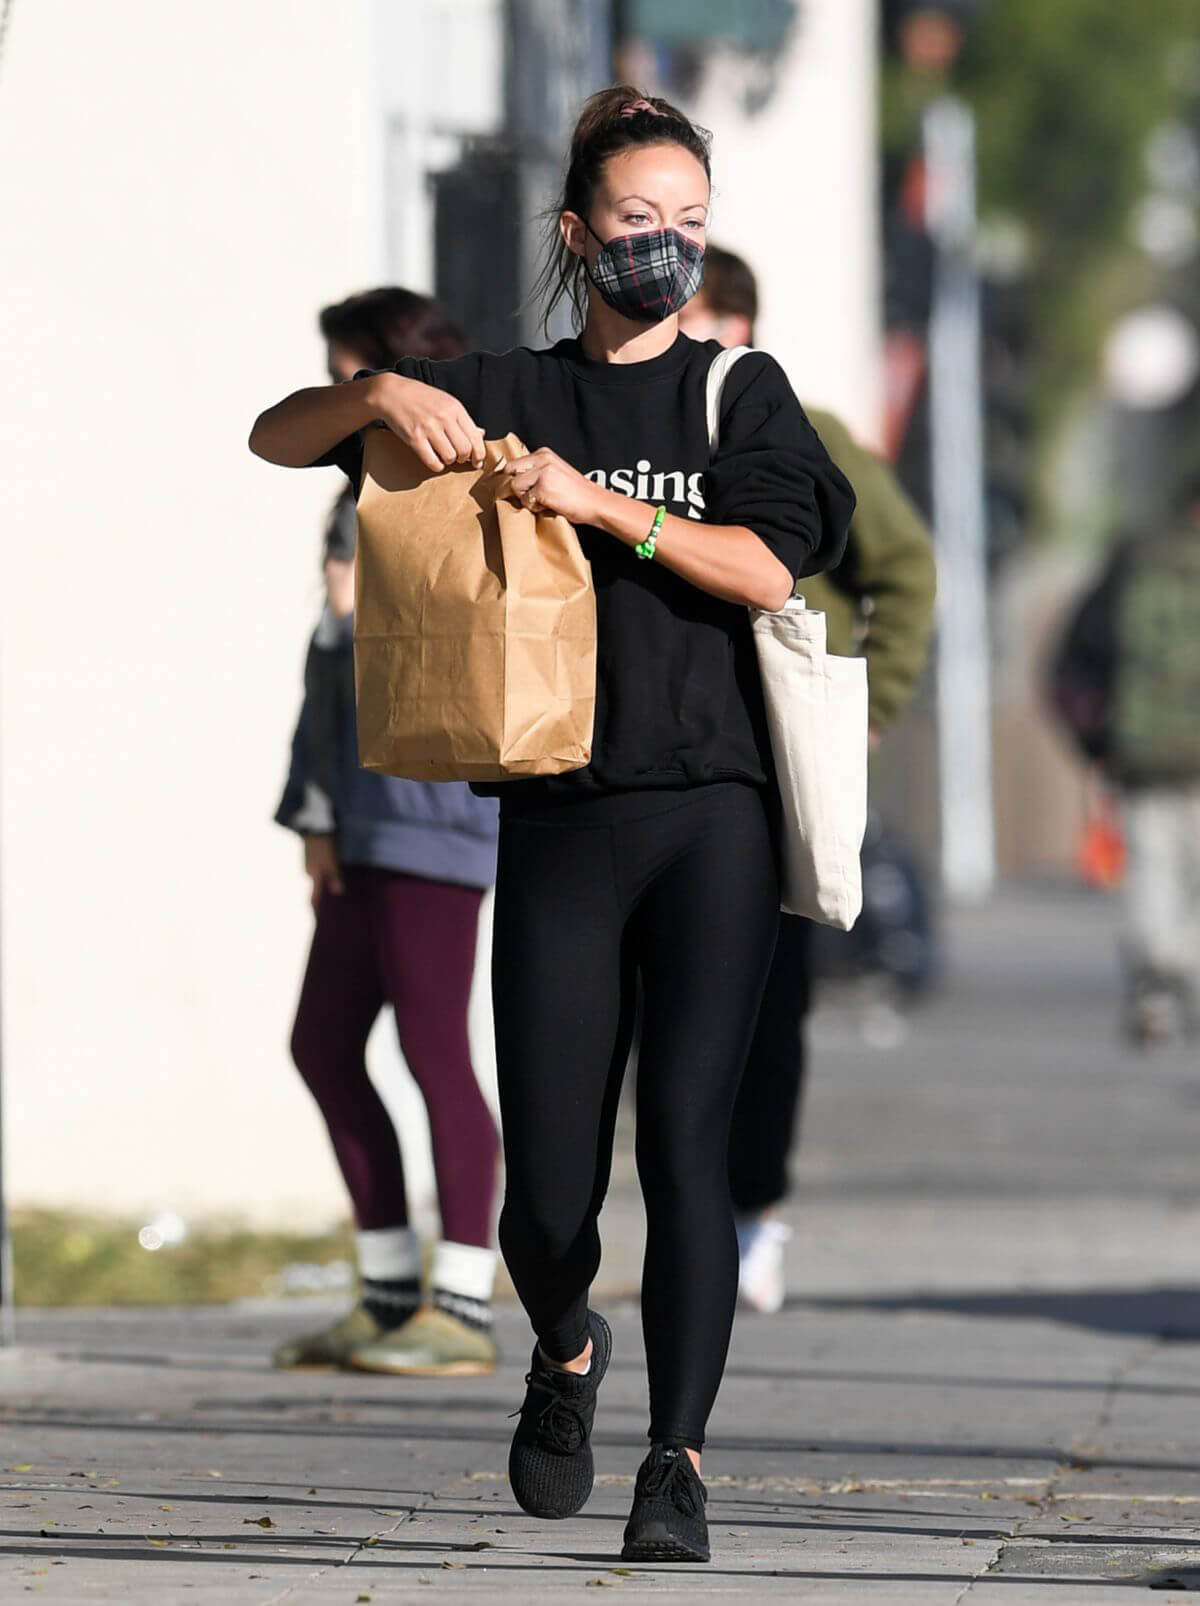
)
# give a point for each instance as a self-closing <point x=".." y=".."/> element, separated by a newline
<point x="66" y="1258"/>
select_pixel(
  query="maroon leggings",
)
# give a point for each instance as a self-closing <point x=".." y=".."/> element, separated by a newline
<point x="397" y="939"/>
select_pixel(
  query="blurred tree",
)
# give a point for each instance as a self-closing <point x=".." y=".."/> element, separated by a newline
<point x="1066" y="95"/>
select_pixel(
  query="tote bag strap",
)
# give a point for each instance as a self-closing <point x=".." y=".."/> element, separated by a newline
<point x="717" y="374"/>
<point x="721" y="364"/>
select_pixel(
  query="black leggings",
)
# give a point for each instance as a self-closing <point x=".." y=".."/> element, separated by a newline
<point x="683" y="888"/>
<point x="766" y="1115"/>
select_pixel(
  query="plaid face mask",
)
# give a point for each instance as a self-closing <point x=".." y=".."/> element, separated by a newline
<point x="649" y="276"/>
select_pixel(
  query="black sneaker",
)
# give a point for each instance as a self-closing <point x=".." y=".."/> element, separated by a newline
<point x="667" y="1522"/>
<point x="550" y="1463"/>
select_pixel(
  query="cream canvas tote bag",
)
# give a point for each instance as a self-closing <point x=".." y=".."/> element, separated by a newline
<point x="816" y="708"/>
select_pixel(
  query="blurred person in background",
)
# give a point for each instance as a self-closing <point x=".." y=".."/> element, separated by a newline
<point x="398" y="871"/>
<point x="877" y="601"/>
<point x="658" y="857"/>
<point x="1125" y="681"/>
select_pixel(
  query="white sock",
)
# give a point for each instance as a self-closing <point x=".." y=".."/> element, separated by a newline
<point x="463" y="1277"/>
<point x="388" y="1254"/>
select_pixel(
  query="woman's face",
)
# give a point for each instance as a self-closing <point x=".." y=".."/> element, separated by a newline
<point x="649" y="187"/>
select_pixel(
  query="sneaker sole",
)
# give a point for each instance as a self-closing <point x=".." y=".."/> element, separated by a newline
<point x="310" y="1366"/>
<point x="444" y="1369"/>
<point x="658" y="1545"/>
<point x="747" y="1302"/>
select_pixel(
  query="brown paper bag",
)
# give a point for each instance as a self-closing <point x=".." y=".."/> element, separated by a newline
<point x="474" y="624"/>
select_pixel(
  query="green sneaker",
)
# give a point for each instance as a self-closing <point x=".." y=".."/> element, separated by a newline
<point x="430" y="1344"/>
<point x="331" y="1346"/>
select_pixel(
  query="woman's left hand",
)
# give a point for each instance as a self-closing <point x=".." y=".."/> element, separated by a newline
<point x="542" y="481"/>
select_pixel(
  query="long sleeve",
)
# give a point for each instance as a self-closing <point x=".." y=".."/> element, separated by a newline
<point x="771" y="474"/>
<point x="888" y="571"/>
<point x="305" y="806"/>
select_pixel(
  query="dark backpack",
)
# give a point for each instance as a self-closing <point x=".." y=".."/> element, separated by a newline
<point x="1081" y="673"/>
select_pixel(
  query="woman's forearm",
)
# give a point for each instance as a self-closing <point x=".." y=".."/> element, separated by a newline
<point x="304" y="425"/>
<point x="726" y="560"/>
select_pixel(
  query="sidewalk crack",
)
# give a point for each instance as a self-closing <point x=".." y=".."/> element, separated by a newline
<point x="373" y="1539"/>
<point x="988" y="1567"/>
<point x="1076" y="1458"/>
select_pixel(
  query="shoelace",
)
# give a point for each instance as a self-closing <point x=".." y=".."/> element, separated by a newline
<point x="669" y="1479"/>
<point x="560" y="1424"/>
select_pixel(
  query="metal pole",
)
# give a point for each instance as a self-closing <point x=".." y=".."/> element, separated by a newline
<point x="968" y="852"/>
<point x="558" y="53"/>
<point x="7" y="1334"/>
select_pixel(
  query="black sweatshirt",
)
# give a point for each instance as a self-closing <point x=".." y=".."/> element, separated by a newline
<point x="678" y="698"/>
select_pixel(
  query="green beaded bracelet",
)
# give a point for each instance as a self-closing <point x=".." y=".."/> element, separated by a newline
<point x="645" y="549"/>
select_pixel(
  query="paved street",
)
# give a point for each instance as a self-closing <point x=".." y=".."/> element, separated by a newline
<point x="985" y="1384"/>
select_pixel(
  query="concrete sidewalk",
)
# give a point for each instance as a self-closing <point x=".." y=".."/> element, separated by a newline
<point x="985" y="1383"/>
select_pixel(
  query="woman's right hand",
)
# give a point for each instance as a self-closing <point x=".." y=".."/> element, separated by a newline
<point x="435" y="424"/>
<point x="322" y="867"/>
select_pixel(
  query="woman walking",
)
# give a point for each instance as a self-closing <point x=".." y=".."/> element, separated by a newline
<point x="658" y="858"/>
<point x="398" y="872"/>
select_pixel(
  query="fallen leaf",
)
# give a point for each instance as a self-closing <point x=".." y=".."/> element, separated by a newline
<point x="257" y="1522"/>
<point x="449" y="1563"/>
<point x="1071" y="1517"/>
<point x="26" y="1466"/>
<point x="166" y="1508"/>
<point x="228" y="1546"/>
<point x="160" y="1544"/>
<point x="361" y="1598"/>
<point x="371" y="1539"/>
<point x="623" y="1572"/>
<point x="312" y="1491"/>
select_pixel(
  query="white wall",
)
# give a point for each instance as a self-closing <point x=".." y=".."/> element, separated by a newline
<point x="795" y="192"/>
<point x="181" y="187"/>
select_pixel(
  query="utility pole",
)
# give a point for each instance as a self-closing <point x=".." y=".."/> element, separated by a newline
<point x="558" y="52"/>
<point x="7" y="1335"/>
<point x="968" y="850"/>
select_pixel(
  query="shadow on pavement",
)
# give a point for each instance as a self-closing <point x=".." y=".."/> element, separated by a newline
<point x="398" y="1434"/>
<point x="1166" y="1312"/>
<point x="1186" y="1579"/>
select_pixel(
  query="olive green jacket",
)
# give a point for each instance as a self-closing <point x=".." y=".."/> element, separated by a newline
<point x="879" y="599"/>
